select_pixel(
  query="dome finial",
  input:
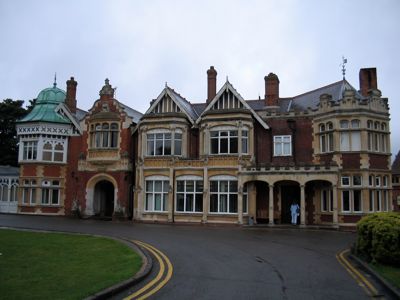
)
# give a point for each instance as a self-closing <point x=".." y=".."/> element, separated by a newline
<point x="55" y="80"/>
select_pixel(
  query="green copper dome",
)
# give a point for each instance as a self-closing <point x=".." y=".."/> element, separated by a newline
<point x="51" y="95"/>
<point x="45" y="109"/>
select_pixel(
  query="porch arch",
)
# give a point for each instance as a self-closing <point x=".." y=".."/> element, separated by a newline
<point x="100" y="186"/>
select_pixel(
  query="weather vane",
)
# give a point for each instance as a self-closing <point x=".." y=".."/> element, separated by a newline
<point x="343" y="64"/>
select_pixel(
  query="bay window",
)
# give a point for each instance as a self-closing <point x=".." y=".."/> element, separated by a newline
<point x="159" y="143"/>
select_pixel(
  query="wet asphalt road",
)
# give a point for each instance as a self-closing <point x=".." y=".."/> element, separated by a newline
<point x="214" y="262"/>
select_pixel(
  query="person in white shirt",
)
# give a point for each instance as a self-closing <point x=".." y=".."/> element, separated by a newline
<point x="295" y="211"/>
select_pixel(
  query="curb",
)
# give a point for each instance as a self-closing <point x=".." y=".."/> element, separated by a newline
<point x="112" y="290"/>
<point x="390" y="287"/>
<point x="139" y="276"/>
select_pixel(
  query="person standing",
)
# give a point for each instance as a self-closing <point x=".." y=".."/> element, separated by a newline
<point x="294" y="210"/>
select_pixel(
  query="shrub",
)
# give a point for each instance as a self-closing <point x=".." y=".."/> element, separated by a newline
<point x="379" y="238"/>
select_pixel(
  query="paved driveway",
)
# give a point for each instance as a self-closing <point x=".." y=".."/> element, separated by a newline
<point x="231" y="262"/>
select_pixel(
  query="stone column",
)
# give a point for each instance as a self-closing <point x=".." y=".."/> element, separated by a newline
<point x="335" y="205"/>
<point x="271" y="204"/>
<point x="206" y="194"/>
<point x="302" y="205"/>
<point x="240" y="204"/>
<point x="170" y="205"/>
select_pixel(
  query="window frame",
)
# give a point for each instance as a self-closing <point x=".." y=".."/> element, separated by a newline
<point x="282" y="144"/>
<point x="163" y="193"/>
<point x="229" y="194"/>
<point x="196" y="194"/>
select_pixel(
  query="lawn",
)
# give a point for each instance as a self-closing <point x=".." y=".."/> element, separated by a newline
<point x="61" y="266"/>
<point x="391" y="274"/>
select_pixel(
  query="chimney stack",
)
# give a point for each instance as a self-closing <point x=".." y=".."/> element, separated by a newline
<point x="271" y="89"/>
<point x="368" y="80"/>
<point x="70" y="99"/>
<point x="211" y="83"/>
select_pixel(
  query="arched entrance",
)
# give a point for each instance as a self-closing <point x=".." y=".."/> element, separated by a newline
<point x="103" y="202"/>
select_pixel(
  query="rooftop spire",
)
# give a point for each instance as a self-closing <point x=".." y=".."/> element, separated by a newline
<point x="55" y="80"/>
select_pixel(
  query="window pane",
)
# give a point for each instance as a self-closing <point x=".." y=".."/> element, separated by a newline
<point x="357" y="180"/>
<point x="346" y="201"/>
<point x="199" y="186"/>
<point x="180" y="202"/>
<point x="150" y="147"/>
<point x="233" y="145"/>
<point x="167" y="147"/>
<point x="223" y="203"/>
<point x="45" y="196"/>
<point x="286" y="149"/>
<point x="58" y="156"/>
<point x="223" y="186"/>
<point x="233" y="186"/>
<point x="114" y="139"/>
<point x="158" y="186"/>
<point x="189" y="186"/>
<point x="47" y="156"/>
<point x="149" y="186"/>
<point x="159" y="147"/>
<point x="149" y="202"/>
<point x="157" y="202"/>
<point x="344" y="141"/>
<point x="356" y="141"/>
<point x="223" y="145"/>
<point x="323" y="143"/>
<point x="214" y="186"/>
<point x="214" y="146"/>
<point x="33" y="196"/>
<point x="180" y="186"/>
<point x="178" y="147"/>
<point x="233" y="203"/>
<point x="344" y="124"/>
<point x="54" y="197"/>
<point x="189" y="202"/>
<point x="199" y="202"/>
<point x="213" y="203"/>
<point x="357" y="200"/>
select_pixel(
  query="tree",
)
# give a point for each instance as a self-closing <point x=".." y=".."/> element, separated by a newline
<point x="10" y="112"/>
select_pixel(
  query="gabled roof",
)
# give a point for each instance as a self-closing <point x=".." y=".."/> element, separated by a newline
<point x="184" y="105"/>
<point x="396" y="164"/>
<point x="229" y="87"/>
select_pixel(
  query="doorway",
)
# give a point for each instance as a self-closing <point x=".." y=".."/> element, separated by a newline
<point x="289" y="193"/>
<point x="103" y="203"/>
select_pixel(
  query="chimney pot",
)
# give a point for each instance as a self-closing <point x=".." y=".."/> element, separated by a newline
<point x="211" y="83"/>
<point x="368" y="80"/>
<point x="271" y="89"/>
<point x="70" y="98"/>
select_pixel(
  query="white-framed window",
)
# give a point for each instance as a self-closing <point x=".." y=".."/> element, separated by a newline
<point x="157" y="189"/>
<point x="50" y="192"/>
<point x="245" y="141"/>
<point x="159" y="143"/>
<point x="224" y="141"/>
<point x="29" y="150"/>
<point x="29" y="191"/>
<point x="350" y="135"/>
<point x="371" y="180"/>
<point x="377" y="136"/>
<point x="223" y="195"/>
<point x="104" y="135"/>
<point x="326" y="200"/>
<point x="3" y="191"/>
<point x="351" y="201"/>
<point x="385" y="181"/>
<point x="51" y="153"/>
<point x="282" y="145"/>
<point x="371" y="200"/>
<point x="189" y="194"/>
<point x="378" y="200"/>
<point x="377" y="181"/>
<point x="326" y="137"/>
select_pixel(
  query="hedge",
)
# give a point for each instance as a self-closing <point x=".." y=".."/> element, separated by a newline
<point x="379" y="238"/>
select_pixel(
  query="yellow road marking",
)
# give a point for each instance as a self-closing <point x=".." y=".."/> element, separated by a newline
<point x="157" y="253"/>
<point x="167" y="277"/>
<point x="370" y="289"/>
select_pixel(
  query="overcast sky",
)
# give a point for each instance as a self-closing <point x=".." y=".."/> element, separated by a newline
<point x="140" y="45"/>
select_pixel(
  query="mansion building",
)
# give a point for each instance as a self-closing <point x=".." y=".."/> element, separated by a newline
<point x="226" y="160"/>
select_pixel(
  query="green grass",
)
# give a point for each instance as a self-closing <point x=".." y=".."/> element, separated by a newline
<point x="61" y="266"/>
<point x="391" y="274"/>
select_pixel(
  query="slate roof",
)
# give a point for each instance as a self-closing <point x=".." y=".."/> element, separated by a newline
<point x="396" y="164"/>
<point x="134" y="114"/>
<point x="311" y="99"/>
<point x="189" y="109"/>
<point x="9" y="171"/>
